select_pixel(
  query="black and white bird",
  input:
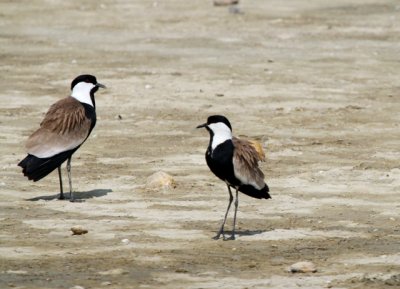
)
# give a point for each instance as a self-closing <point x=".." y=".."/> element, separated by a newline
<point x="235" y="161"/>
<point x="65" y="127"/>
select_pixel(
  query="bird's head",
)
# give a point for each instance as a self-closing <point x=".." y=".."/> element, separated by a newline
<point x="217" y="125"/>
<point x="84" y="87"/>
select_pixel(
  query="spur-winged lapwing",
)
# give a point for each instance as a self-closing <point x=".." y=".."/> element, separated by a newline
<point x="234" y="161"/>
<point x="65" y="127"/>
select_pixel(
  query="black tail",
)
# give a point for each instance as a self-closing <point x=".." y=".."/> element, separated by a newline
<point x="254" y="193"/>
<point x="37" y="168"/>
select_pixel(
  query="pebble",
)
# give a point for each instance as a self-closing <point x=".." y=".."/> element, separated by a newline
<point x="160" y="180"/>
<point x="78" y="230"/>
<point x="303" y="267"/>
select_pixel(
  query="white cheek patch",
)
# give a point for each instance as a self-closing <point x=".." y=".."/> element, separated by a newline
<point x="81" y="92"/>
<point x="221" y="132"/>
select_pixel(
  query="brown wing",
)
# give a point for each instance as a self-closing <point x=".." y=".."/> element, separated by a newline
<point x="63" y="128"/>
<point x="245" y="163"/>
<point x="260" y="151"/>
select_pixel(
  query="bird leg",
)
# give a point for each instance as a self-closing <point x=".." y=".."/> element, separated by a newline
<point x="61" y="197"/>
<point x="234" y="216"/>
<point x="71" y="194"/>
<point x="221" y="230"/>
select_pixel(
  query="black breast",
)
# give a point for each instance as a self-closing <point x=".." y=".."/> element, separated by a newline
<point x="90" y="113"/>
<point x="220" y="162"/>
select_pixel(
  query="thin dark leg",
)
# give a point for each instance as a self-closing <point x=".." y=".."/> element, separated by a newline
<point x="61" y="197"/>
<point x="232" y="237"/>
<point x="221" y="230"/>
<point x="71" y="194"/>
<point x="234" y="216"/>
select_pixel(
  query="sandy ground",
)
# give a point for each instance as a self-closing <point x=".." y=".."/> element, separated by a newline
<point x="316" y="82"/>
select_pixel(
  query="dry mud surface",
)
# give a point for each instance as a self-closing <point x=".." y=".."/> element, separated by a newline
<point x="316" y="82"/>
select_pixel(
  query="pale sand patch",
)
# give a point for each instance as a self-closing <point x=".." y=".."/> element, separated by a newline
<point x="274" y="282"/>
<point x="178" y="234"/>
<point x="315" y="82"/>
<point x="373" y="260"/>
<point x="302" y="233"/>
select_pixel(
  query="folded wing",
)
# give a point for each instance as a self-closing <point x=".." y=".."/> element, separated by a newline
<point x="245" y="164"/>
<point x="63" y="128"/>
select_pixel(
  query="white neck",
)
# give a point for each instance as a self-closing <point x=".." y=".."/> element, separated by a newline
<point x="222" y="133"/>
<point x="81" y="92"/>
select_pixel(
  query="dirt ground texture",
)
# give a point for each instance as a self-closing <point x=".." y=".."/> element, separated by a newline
<point x="316" y="82"/>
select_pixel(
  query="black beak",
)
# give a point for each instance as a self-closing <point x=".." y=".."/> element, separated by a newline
<point x="101" y="85"/>
<point x="202" y="125"/>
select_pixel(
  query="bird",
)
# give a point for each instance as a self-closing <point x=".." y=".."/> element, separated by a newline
<point x="65" y="127"/>
<point x="234" y="161"/>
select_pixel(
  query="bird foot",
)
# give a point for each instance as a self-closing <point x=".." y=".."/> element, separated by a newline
<point x="61" y="197"/>
<point x="216" y="237"/>
<point x="231" y="238"/>
<point x="220" y="232"/>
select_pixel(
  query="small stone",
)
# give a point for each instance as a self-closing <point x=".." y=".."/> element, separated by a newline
<point x="106" y="283"/>
<point x="125" y="241"/>
<point x="160" y="180"/>
<point x="303" y="267"/>
<point x="79" y="230"/>
<point x="76" y="287"/>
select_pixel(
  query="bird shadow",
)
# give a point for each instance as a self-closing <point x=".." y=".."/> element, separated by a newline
<point x="246" y="232"/>
<point x="79" y="196"/>
<point x="250" y="232"/>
